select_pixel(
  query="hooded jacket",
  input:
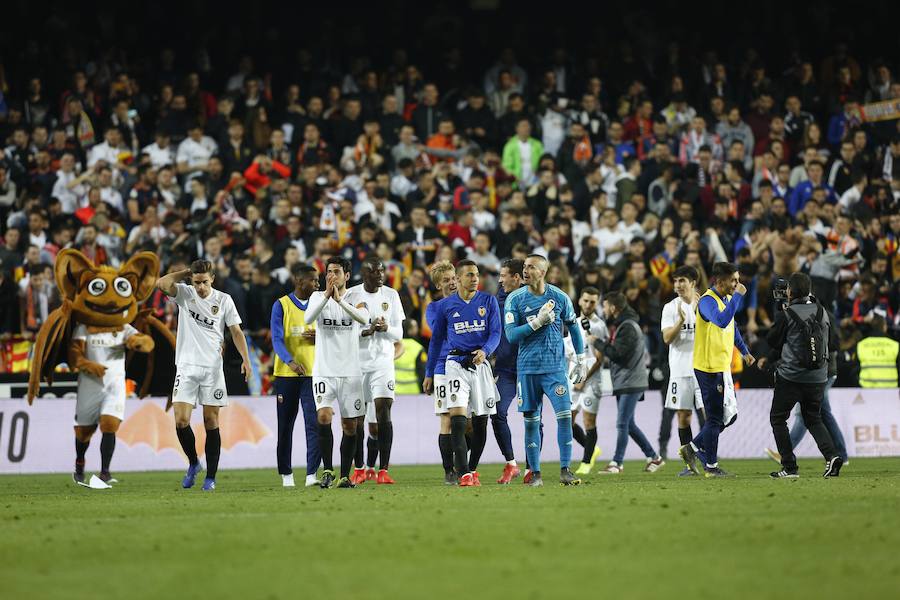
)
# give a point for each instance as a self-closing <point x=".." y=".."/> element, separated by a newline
<point x="625" y="351"/>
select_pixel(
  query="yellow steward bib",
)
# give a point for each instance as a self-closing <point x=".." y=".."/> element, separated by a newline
<point x="713" y="345"/>
<point x="301" y="349"/>
<point x="877" y="362"/>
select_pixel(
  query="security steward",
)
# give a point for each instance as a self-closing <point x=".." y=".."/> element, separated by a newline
<point x="877" y="356"/>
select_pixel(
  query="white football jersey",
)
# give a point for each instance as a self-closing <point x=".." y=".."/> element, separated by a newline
<point x="596" y="328"/>
<point x="201" y="326"/>
<point x="681" y="350"/>
<point x="337" y="340"/>
<point x="376" y="351"/>
<point x="107" y="348"/>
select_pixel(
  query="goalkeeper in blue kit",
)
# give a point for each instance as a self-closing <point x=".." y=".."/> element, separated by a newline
<point x="534" y="318"/>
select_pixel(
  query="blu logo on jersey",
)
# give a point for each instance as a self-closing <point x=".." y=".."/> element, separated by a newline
<point x="470" y="326"/>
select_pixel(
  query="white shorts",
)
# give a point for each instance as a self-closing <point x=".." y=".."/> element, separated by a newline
<point x="441" y="394"/>
<point x="378" y="384"/>
<point x="200" y="385"/>
<point x="475" y="390"/>
<point x="587" y="399"/>
<point x="100" y="397"/>
<point x="345" y="391"/>
<point x="684" y="393"/>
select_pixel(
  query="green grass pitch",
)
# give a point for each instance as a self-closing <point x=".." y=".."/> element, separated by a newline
<point x="635" y="535"/>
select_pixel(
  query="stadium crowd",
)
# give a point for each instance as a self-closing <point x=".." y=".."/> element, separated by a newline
<point x="618" y="171"/>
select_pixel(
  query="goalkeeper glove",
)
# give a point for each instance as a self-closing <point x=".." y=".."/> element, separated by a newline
<point x="544" y="317"/>
<point x="579" y="371"/>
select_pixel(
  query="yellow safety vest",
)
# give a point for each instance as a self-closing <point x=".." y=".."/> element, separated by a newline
<point x="713" y="345"/>
<point x="407" y="382"/>
<point x="877" y="362"/>
<point x="301" y="349"/>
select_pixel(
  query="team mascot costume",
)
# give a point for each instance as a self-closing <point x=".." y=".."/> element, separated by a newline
<point x="100" y="332"/>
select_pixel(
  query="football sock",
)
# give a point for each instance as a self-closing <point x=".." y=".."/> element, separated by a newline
<point x="107" y="447"/>
<point x="564" y="437"/>
<point x="385" y="441"/>
<point x="479" y="439"/>
<point x="213" y="449"/>
<point x="458" y="442"/>
<point x="188" y="443"/>
<point x="578" y="434"/>
<point x="446" y="449"/>
<point x="590" y="442"/>
<point x="684" y="435"/>
<point x="533" y="440"/>
<point x="360" y="441"/>
<point x="372" y="445"/>
<point x="80" y="449"/>
<point x="348" y="447"/>
<point x="326" y="446"/>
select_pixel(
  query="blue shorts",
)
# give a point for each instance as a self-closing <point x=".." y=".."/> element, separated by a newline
<point x="533" y="388"/>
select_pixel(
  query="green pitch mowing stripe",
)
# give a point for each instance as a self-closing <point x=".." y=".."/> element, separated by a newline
<point x="634" y="535"/>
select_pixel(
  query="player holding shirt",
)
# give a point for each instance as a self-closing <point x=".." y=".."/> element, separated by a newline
<point x="443" y="276"/>
<point x="534" y="316"/>
<point x="678" y="326"/>
<point x="586" y="395"/>
<point x="470" y="323"/>
<point x="203" y="314"/>
<point x="376" y="355"/>
<point x="337" y="377"/>
<point x="715" y="338"/>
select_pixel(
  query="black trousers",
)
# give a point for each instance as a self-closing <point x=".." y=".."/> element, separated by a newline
<point x="809" y="395"/>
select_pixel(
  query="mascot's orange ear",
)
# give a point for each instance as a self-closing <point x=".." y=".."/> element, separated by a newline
<point x="143" y="271"/>
<point x="70" y="266"/>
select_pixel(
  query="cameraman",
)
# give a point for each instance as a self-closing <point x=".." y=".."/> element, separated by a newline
<point x="803" y="333"/>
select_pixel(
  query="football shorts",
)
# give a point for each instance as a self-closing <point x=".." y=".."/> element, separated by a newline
<point x="475" y="390"/>
<point x="441" y="394"/>
<point x="199" y="385"/>
<point x="378" y="384"/>
<point x="346" y="392"/>
<point x="98" y="397"/>
<point x="684" y="393"/>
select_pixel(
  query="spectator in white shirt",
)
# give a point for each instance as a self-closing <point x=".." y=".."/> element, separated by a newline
<point x="404" y="181"/>
<point x="194" y="153"/>
<point x="483" y="218"/>
<point x="108" y="193"/>
<point x="855" y="192"/>
<point x="610" y="240"/>
<point x="111" y="151"/>
<point x="629" y="226"/>
<point x="70" y="187"/>
<point x="160" y="151"/>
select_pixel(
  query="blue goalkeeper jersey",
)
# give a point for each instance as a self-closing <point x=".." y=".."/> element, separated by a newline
<point x="466" y="327"/>
<point x="442" y="351"/>
<point x="540" y="351"/>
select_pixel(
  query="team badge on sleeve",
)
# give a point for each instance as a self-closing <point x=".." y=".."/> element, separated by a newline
<point x="510" y="318"/>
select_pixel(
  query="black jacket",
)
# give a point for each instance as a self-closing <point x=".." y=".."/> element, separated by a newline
<point x="782" y="340"/>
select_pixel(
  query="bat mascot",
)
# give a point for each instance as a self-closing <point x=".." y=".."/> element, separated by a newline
<point x="100" y="332"/>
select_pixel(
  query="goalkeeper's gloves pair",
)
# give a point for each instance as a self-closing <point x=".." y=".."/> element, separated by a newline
<point x="544" y="317"/>
<point x="579" y="370"/>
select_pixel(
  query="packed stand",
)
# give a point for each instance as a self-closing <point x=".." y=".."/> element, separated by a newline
<point x="616" y="185"/>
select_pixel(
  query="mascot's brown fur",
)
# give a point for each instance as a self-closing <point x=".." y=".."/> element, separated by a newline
<point x="103" y="308"/>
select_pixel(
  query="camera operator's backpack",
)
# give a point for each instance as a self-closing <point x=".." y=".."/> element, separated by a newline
<point x="813" y="354"/>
